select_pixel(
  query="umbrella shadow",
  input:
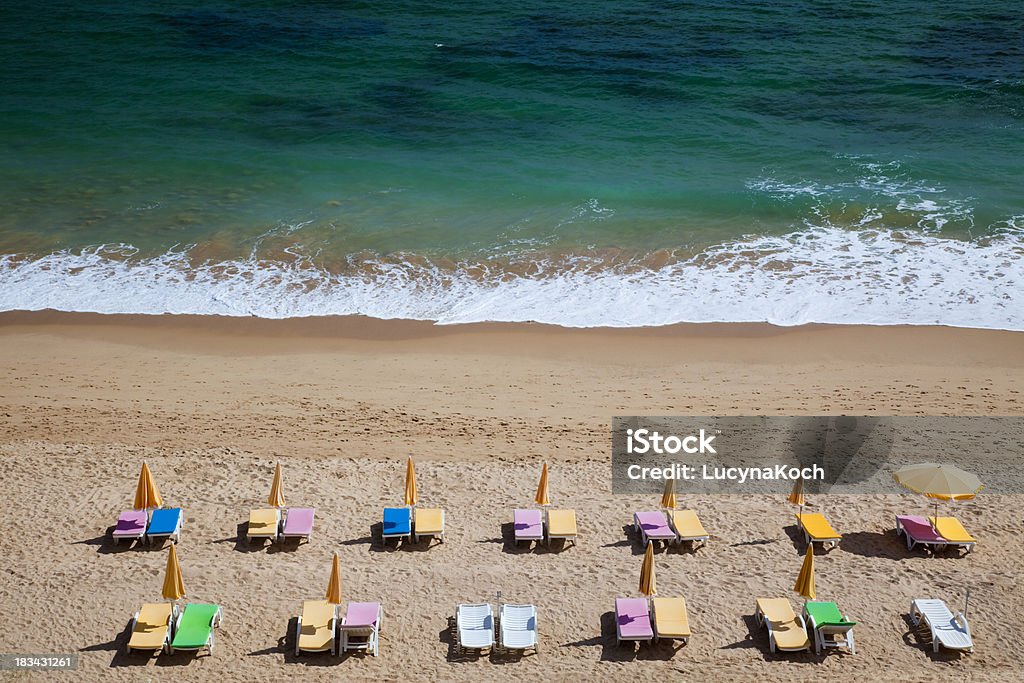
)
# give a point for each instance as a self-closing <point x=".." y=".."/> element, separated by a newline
<point x="285" y="647"/>
<point x="919" y="637"/>
<point x="756" y="541"/>
<point x="119" y="646"/>
<point x="875" y="544"/>
<point x="635" y="540"/>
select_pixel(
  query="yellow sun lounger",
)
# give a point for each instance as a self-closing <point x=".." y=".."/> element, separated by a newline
<point x="562" y="524"/>
<point x="953" y="531"/>
<point x="688" y="527"/>
<point x="817" y="529"/>
<point x="787" y="631"/>
<point x="428" y="522"/>
<point x="263" y="524"/>
<point x="151" y="627"/>
<point x="670" y="619"/>
<point x="317" y="628"/>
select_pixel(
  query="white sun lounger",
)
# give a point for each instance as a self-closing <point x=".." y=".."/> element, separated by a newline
<point x="475" y="624"/>
<point x="947" y="630"/>
<point x="518" y="627"/>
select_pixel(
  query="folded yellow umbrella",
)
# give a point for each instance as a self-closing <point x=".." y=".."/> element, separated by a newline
<point x="647" y="584"/>
<point x="334" y="584"/>
<point x="174" y="587"/>
<point x="276" y="489"/>
<point x="796" y="497"/>
<point x="668" y="498"/>
<point x="410" y="484"/>
<point x="147" y="495"/>
<point x="543" y="496"/>
<point x="805" y="579"/>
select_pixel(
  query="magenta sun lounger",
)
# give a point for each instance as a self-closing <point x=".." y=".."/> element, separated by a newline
<point x="632" y="620"/>
<point x="131" y="525"/>
<point x="528" y="525"/>
<point x="919" y="531"/>
<point x="653" y="526"/>
<point x="298" y="523"/>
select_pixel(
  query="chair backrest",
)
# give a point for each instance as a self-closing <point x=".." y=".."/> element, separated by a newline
<point x="476" y="616"/>
<point x="519" y="617"/>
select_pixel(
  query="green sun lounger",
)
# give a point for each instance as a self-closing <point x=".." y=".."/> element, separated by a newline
<point x="831" y="628"/>
<point x="194" y="629"/>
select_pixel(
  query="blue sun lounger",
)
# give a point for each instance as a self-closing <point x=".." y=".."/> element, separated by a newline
<point x="165" y="523"/>
<point x="397" y="523"/>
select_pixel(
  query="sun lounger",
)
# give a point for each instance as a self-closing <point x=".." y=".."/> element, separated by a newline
<point x="360" y="628"/>
<point x="263" y="524"/>
<point x="670" y="619"/>
<point x="151" y="627"/>
<point x="131" y="525"/>
<point x="518" y="627"/>
<point x="298" y="523"/>
<point x="953" y="531"/>
<point x="829" y="626"/>
<point x="194" y="628"/>
<point x="562" y="524"/>
<point x="528" y="525"/>
<point x="786" y="630"/>
<point x="653" y="526"/>
<point x="919" y="531"/>
<point x="949" y="631"/>
<point x="475" y="624"/>
<point x="397" y="523"/>
<point x="687" y="526"/>
<point x="165" y="523"/>
<point x="817" y="529"/>
<point x="632" y="620"/>
<point x="428" y="522"/>
<point x="317" y="627"/>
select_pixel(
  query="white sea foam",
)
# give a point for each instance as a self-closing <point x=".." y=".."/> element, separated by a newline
<point x="824" y="275"/>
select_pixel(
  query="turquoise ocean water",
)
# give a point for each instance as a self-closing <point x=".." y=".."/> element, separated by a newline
<point x="592" y="163"/>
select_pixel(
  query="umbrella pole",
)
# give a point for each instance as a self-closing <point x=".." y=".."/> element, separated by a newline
<point x="967" y="598"/>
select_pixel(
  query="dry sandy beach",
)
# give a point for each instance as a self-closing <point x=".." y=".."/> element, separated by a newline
<point x="212" y="404"/>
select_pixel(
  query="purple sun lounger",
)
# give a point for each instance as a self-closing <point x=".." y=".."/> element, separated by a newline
<point x="298" y="523"/>
<point x="632" y="620"/>
<point x="528" y="525"/>
<point x="131" y="524"/>
<point x="653" y="526"/>
<point x="918" y="531"/>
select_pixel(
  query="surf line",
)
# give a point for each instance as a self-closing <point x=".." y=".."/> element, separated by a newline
<point x="717" y="473"/>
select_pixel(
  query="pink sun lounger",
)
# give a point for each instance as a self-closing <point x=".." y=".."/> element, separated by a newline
<point x="360" y="628"/>
<point x="528" y="525"/>
<point x="653" y="526"/>
<point x="918" y="531"/>
<point x="298" y="523"/>
<point x="632" y="620"/>
<point x="131" y="525"/>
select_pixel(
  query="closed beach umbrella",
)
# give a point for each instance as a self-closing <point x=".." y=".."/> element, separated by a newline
<point x="174" y="587"/>
<point x="410" y="484"/>
<point x="796" y="496"/>
<point x="668" y="498"/>
<point x="276" y="489"/>
<point x="805" y="579"/>
<point x="543" y="495"/>
<point x="647" y="585"/>
<point x="147" y="495"/>
<point x="938" y="482"/>
<point x="334" y="584"/>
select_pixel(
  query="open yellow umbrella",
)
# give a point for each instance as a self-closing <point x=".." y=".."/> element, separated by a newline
<point x="147" y="495"/>
<point x="174" y="587"/>
<point x="334" y="584"/>
<point x="543" y="496"/>
<point x="410" y="484"/>
<point x="938" y="482"/>
<point x="668" y="498"/>
<point x="647" y="584"/>
<point x="276" y="497"/>
<point x="805" y="579"/>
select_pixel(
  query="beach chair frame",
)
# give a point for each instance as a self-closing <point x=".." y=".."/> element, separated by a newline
<point x="167" y="636"/>
<point x="822" y="634"/>
<point x="215" y="621"/>
<point x="827" y="542"/>
<point x="474" y="625"/>
<point x="519" y="537"/>
<point x="439" y="535"/>
<point x="515" y="623"/>
<point x="273" y="537"/>
<point x="547" y="530"/>
<point x="696" y="541"/>
<point x="659" y="636"/>
<point x="370" y="633"/>
<point x="174" y="534"/>
<point x="282" y="535"/>
<point x="619" y="638"/>
<point x="139" y="535"/>
<point x="936" y="616"/>
<point x="645" y="537"/>
<point x="407" y="535"/>
<point x="913" y="541"/>
<point x="773" y="646"/>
